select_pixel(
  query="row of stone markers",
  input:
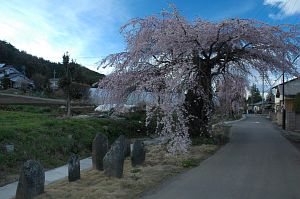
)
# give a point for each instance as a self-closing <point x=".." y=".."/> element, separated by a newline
<point x="32" y="177"/>
<point x="112" y="161"/>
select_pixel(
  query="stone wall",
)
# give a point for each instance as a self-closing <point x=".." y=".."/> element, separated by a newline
<point x="290" y="121"/>
<point x="297" y="122"/>
<point x="279" y="118"/>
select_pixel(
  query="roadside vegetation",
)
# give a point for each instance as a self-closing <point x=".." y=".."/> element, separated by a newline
<point x="158" y="167"/>
<point x="42" y="133"/>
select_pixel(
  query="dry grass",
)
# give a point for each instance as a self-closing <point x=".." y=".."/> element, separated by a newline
<point x="7" y="178"/>
<point x="158" y="167"/>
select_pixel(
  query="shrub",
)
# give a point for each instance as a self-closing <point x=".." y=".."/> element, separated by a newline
<point x="5" y="82"/>
<point x="189" y="163"/>
<point x="79" y="90"/>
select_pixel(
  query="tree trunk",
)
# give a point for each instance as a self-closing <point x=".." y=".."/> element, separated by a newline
<point x="68" y="102"/>
<point x="199" y="106"/>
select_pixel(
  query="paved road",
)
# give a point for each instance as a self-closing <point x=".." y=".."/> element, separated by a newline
<point x="258" y="163"/>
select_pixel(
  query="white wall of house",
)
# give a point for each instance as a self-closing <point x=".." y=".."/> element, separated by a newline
<point x="278" y="99"/>
<point x="54" y="83"/>
<point x="18" y="81"/>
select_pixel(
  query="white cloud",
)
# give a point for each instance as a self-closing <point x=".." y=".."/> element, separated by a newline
<point x="49" y="28"/>
<point x="287" y="7"/>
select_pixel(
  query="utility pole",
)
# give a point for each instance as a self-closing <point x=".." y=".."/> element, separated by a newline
<point x="252" y="98"/>
<point x="263" y="93"/>
<point x="283" y="98"/>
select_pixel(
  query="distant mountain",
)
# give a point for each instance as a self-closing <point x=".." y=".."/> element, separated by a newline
<point x="33" y="66"/>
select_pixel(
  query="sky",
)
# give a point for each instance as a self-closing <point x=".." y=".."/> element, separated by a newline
<point x="90" y="29"/>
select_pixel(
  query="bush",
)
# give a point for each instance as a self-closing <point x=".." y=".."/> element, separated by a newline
<point x="5" y="82"/>
<point x="58" y="93"/>
<point x="189" y="163"/>
<point x="220" y="136"/>
<point x="220" y="139"/>
<point x="79" y="90"/>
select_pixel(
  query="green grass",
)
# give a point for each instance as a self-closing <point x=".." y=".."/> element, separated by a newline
<point x="38" y="134"/>
<point x="31" y="109"/>
<point x="220" y="136"/>
<point x="189" y="163"/>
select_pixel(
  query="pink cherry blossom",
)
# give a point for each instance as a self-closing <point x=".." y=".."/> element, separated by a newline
<point x="178" y="60"/>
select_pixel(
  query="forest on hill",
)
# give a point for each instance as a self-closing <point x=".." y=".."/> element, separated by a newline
<point x="37" y="68"/>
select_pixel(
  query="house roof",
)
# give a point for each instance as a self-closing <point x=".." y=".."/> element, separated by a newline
<point x="54" y="79"/>
<point x="291" y="87"/>
<point x="8" y="67"/>
<point x="15" y="74"/>
<point x="261" y="103"/>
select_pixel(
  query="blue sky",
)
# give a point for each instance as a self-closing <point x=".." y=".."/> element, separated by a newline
<point x="89" y="29"/>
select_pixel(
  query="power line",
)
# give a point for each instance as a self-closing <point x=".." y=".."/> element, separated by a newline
<point x="77" y="57"/>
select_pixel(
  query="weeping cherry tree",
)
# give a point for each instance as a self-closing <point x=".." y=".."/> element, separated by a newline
<point x="178" y="60"/>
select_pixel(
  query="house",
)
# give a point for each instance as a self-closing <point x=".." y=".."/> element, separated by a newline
<point x="291" y="89"/>
<point x="261" y="107"/>
<point x="54" y="83"/>
<point x="255" y="107"/>
<point x="16" y="78"/>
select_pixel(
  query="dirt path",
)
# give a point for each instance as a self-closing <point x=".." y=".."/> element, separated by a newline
<point x="22" y="99"/>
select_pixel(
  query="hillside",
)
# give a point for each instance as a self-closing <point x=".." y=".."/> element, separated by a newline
<point x="35" y="67"/>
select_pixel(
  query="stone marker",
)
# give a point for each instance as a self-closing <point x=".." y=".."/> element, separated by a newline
<point x="99" y="149"/>
<point x="127" y="148"/>
<point x="74" y="168"/>
<point x="113" y="161"/>
<point x="138" y="153"/>
<point x="31" y="181"/>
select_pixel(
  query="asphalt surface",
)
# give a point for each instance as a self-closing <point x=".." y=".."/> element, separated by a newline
<point x="258" y="163"/>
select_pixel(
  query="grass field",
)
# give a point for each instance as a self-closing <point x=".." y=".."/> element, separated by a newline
<point x="39" y="132"/>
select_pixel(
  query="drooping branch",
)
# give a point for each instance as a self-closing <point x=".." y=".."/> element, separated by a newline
<point x="170" y="56"/>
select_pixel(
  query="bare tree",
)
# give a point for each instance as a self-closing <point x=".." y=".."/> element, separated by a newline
<point x="67" y="82"/>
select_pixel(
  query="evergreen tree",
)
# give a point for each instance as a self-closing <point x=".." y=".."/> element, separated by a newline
<point x="254" y="95"/>
<point x="5" y="81"/>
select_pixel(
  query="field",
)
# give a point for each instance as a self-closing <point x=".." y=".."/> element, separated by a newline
<point x="40" y="132"/>
<point x="21" y="99"/>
